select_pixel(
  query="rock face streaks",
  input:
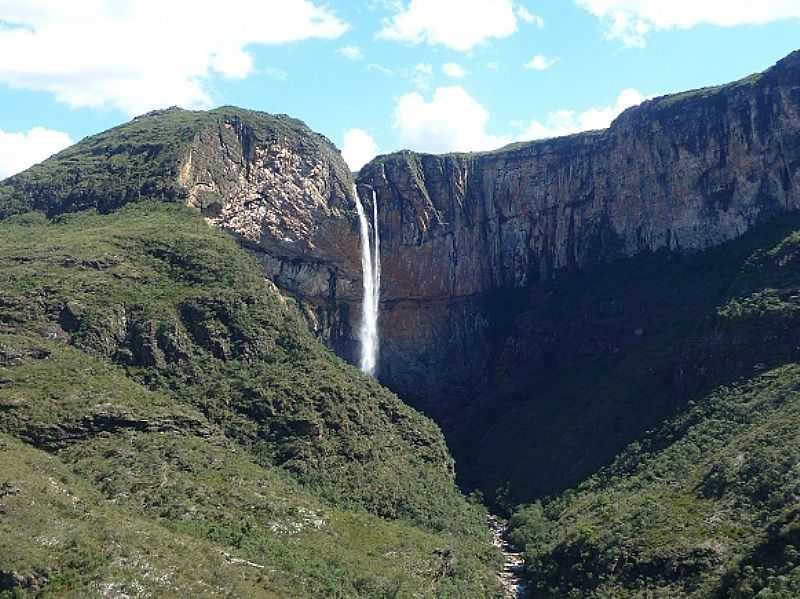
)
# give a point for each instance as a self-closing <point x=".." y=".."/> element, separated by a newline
<point x="682" y="172"/>
<point x="288" y="198"/>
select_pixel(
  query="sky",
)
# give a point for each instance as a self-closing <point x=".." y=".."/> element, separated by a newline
<point x="374" y="76"/>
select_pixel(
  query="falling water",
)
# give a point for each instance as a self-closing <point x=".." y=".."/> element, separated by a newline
<point x="371" y="275"/>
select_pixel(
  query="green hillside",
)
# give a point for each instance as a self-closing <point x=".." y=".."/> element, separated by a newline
<point x="170" y="427"/>
<point x="704" y="500"/>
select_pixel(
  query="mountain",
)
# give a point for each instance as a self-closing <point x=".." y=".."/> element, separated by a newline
<point x="168" y="424"/>
<point x="604" y="325"/>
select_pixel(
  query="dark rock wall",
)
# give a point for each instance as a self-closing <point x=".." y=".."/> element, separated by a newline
<point x="683" y="172"/>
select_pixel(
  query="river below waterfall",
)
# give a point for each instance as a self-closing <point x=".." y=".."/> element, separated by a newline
<point x="512" y="576"/>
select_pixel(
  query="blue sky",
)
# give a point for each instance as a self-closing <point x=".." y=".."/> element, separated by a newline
<point x="376" y="75"/>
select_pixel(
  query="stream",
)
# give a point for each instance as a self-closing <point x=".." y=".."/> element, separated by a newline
<point x="512" y="576"/>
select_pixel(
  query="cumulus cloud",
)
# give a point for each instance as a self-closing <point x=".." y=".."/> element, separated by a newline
<point x="454" y="70"/>
<point x="451" y="121"/>
<point x="19" y="151"/>
<point x="358" y="148"/>
<point x="631" y="20"/>
<point x="140" y="55"/>
<point x="567" y="122"/>
<point x="540" y="63"/>
<point x="457" y="24"/>
<point x="351" y="52"/>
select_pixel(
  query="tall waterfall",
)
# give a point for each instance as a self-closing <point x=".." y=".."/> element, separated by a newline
<point x="371" y="275"/>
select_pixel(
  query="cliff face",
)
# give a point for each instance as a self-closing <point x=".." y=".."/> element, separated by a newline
<point x="288" y="198"/>
<point x="466" y="238"/>
<point x="282" y="189"/>
<point x="683" y="173"/>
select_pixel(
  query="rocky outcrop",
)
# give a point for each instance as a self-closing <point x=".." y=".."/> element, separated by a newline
<point x="287" y="195"/>
<point x="281" y="188"/>
<point x="681" y="173"/>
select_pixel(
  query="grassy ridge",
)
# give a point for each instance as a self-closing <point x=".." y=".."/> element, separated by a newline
<point x="180" y="398"/>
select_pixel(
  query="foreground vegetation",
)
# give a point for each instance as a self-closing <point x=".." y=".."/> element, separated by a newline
<point x="169" y="427"/>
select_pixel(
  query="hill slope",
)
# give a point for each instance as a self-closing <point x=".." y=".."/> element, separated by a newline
<point x="167" y="419"/>
<point x="704" y="504"/>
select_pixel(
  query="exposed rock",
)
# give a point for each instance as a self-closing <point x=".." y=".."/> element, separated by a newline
<point x="460" y="232"/>
<point x="681" y="173"/>
<point x="15" y="581"/>
<point x="288" y="198"/>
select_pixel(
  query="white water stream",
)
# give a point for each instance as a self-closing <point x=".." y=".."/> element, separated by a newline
<point x="371" y="275"/>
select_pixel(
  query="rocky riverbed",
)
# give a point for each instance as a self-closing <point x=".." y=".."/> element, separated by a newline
<point x="512" y="575"/>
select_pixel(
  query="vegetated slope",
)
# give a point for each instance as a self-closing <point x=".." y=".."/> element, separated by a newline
<point x="707" y="503"/>
<point x="169" y="426"/>
<point x="280" y="188"/>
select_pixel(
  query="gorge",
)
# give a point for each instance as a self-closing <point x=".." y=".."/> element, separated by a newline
<point x="603" y="325"/>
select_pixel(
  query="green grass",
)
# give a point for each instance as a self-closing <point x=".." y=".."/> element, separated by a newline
<point x="182" y="399"/>
<point x="698" y="498"/>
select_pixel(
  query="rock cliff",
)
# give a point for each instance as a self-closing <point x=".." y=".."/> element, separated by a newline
<point x="683" y="173"/>
<point x="463" y="235"/>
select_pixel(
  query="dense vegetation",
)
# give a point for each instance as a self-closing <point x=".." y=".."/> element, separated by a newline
<point x="693" y="363"/>
<point x="168" y="426"/>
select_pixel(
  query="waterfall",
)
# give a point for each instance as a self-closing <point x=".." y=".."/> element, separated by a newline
<point x="371" y="276"/>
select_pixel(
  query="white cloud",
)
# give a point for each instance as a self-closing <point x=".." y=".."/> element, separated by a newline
<point x="567" y="122"/>
<point x="452" y="121"/>
<point x="528" y="17"/>
<point x="457" y="24"/>
<point x="454" y="70"/>
<point x="631" y="20"/>
<point x="540" y="63"/>
<point x="351" y="52"/>
<point x="19" y="151"/>
<point x="420" y="75"/>
<point x="140" y="55"/>
<point x="358" y="148"/>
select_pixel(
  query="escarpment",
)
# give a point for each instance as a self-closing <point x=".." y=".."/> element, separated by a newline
<point x="463" y="235"/>
<point x="680" y="173"/>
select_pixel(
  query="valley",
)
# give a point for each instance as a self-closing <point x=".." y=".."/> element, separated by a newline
<point x="592" y="336"/>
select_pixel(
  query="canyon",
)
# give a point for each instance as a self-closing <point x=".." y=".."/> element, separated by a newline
<point x="470" y="243"/>
<point x="463" y="233"/>
<point x="603" y="325"/>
